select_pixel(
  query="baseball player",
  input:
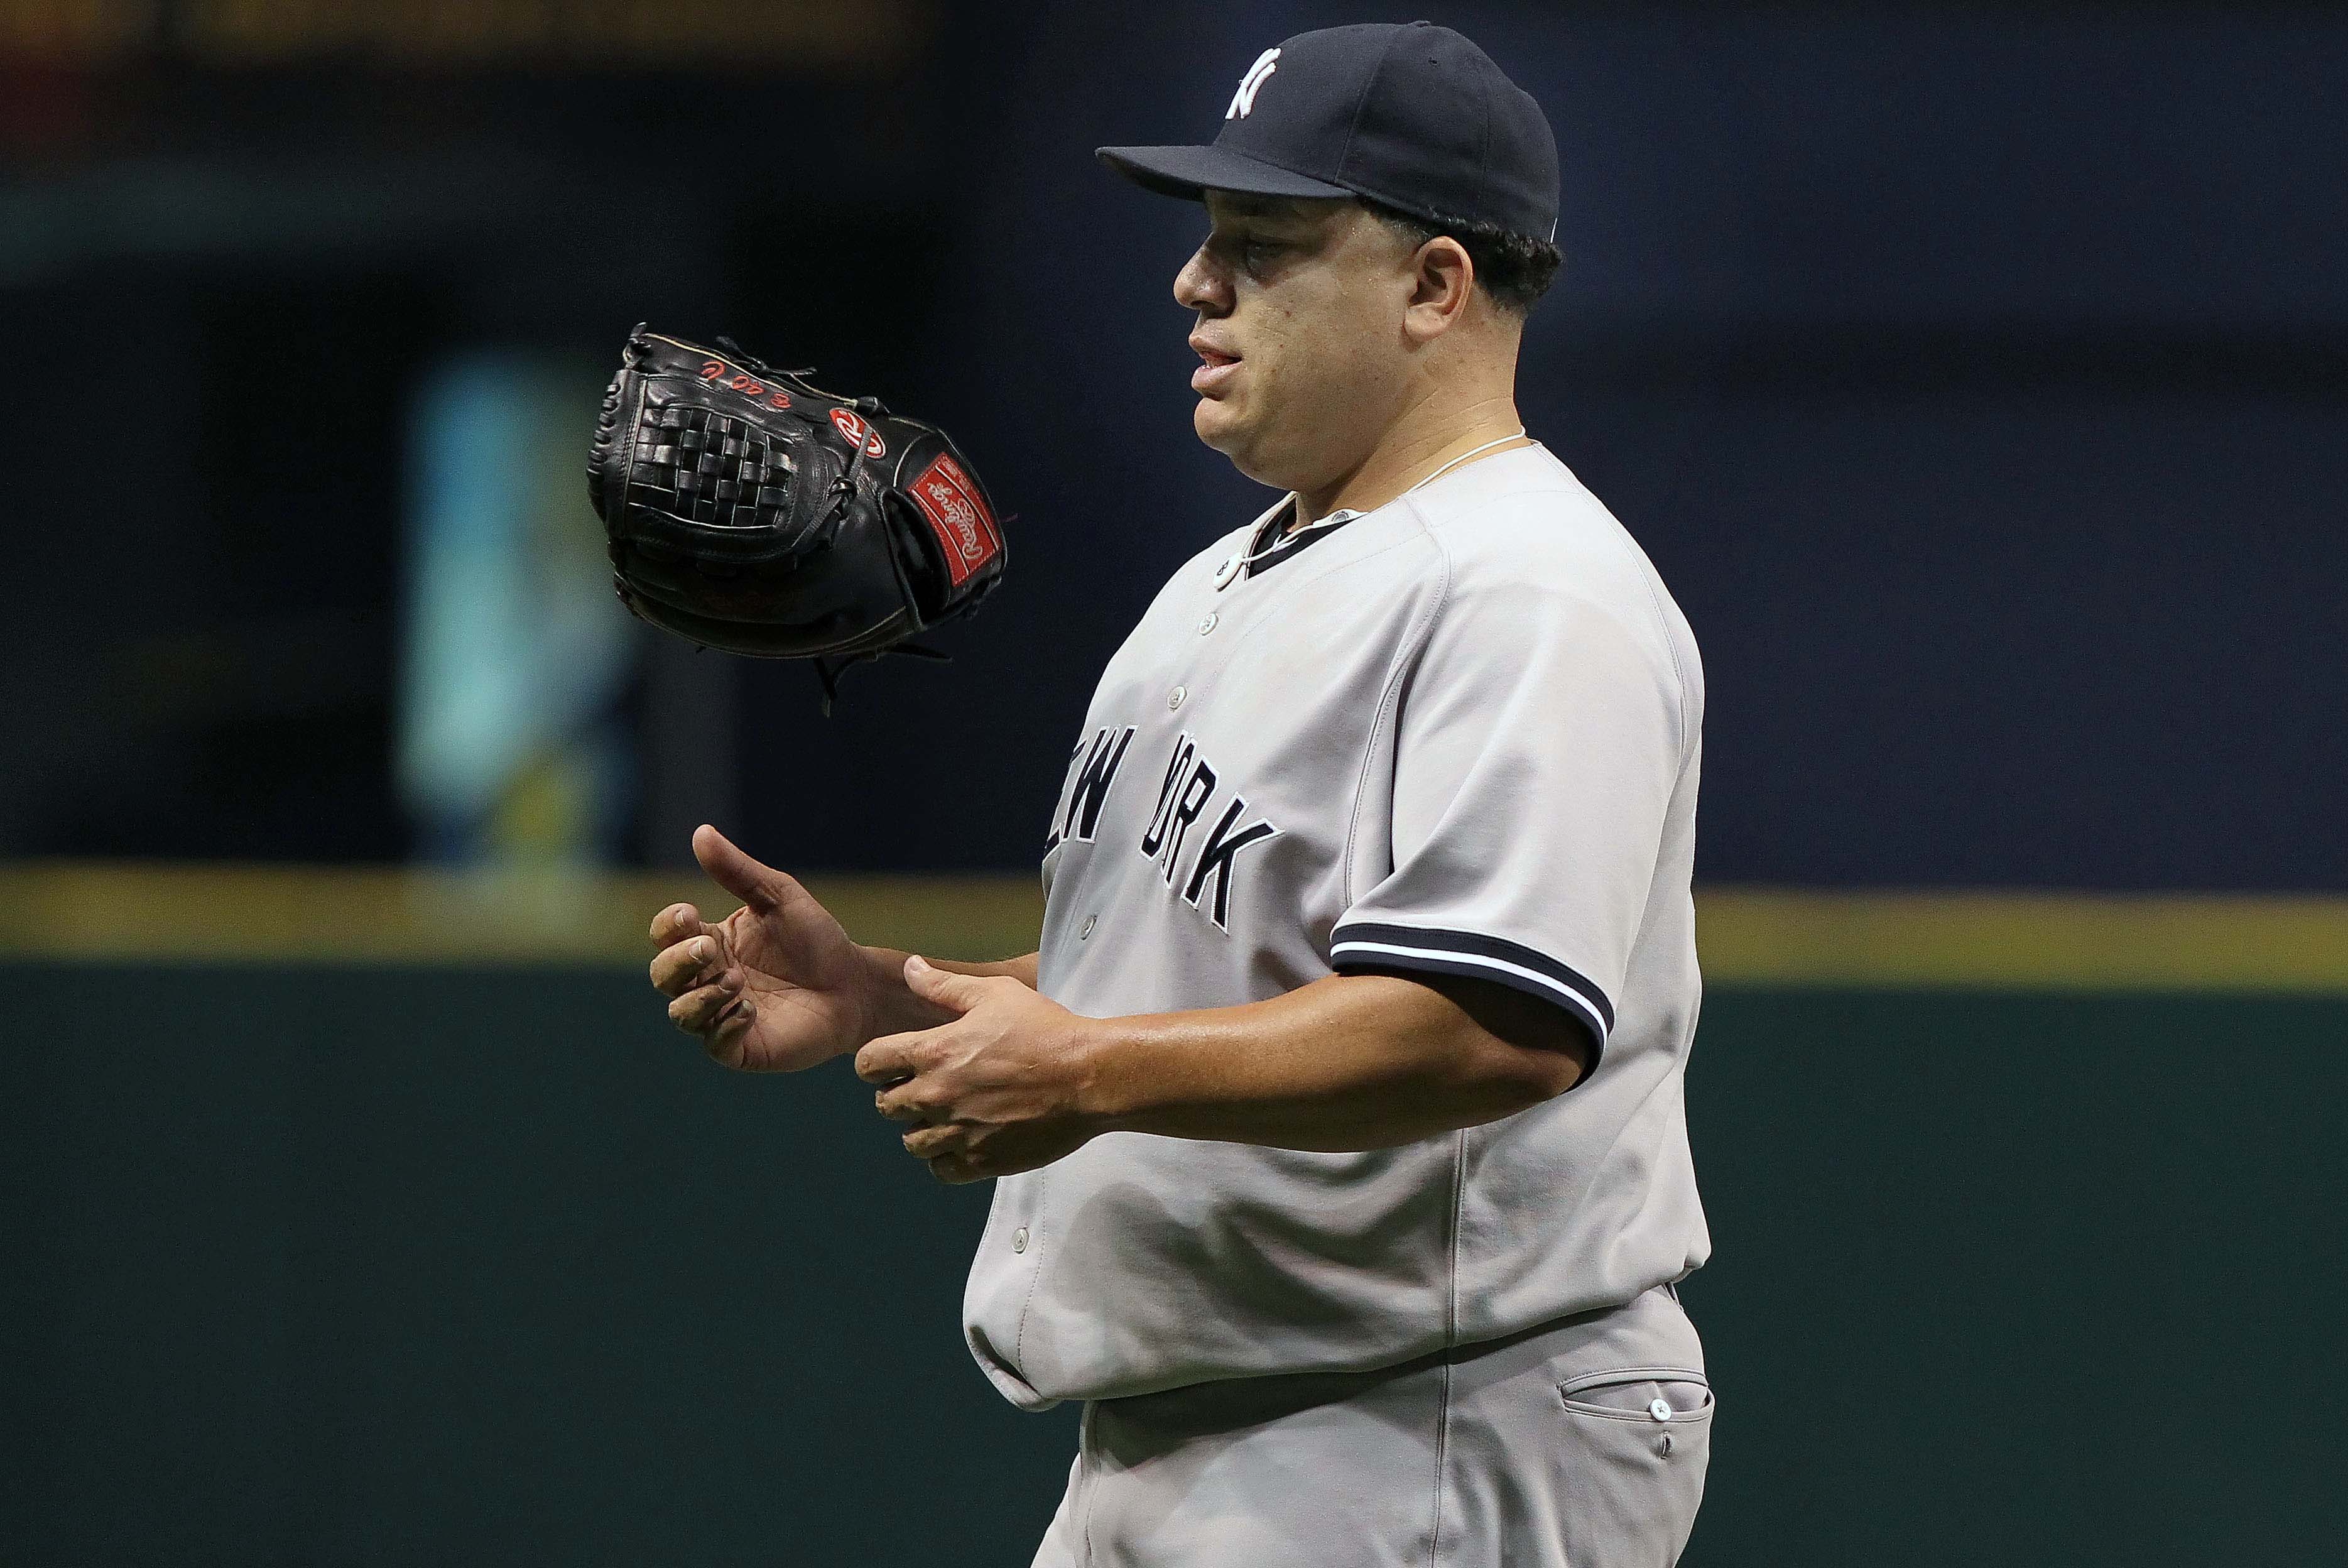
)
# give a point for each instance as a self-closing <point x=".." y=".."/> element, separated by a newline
<point x="1342" y="1172"/>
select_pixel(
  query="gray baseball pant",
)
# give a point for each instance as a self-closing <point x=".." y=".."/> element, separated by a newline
<point x="1579" y="1444"/>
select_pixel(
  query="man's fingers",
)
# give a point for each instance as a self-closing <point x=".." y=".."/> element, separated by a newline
<point x="678" y="969"/>
<point x="890" y="1057"/>
<point x="954" y="1169"/>
<point x="724" y="1040"/>
<point x="897" y="1104"/>
<point x="943" y="986"/>
<point x="930" y="1142"/>
<point x="697" y="1010"/>
<point x="759" y="886"/>
<point x="676" y="923"/>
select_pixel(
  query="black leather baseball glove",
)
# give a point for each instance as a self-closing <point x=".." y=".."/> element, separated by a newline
<point x="749" y="511"/>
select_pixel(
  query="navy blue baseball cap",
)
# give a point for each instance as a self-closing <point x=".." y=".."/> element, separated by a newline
<point x="1411" y="115"/>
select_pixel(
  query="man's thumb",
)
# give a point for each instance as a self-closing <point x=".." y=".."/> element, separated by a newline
<point x="761" y="887"/>
<point x="943" y="986"/>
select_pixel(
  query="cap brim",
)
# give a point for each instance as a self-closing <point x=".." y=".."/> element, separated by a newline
<point x="1188" y="171"/>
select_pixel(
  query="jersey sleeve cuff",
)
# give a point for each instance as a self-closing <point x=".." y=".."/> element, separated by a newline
<point x="1361" y="945"/>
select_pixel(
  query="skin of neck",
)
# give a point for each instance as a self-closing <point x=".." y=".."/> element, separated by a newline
<point x="1442" y="422"/>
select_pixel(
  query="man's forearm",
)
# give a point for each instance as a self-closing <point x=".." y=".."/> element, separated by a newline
<point x="1348" y="1062"/>
<point x="898" y="1011"/>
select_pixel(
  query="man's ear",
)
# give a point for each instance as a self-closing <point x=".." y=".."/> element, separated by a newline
<point x="1442" y="283"/>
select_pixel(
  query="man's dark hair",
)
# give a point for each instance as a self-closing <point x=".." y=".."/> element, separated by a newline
<point x="1515" y="270"/>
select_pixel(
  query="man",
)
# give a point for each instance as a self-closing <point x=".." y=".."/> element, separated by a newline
<point x="1344" y="1171"/>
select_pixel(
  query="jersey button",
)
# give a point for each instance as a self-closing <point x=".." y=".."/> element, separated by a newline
<point x="1174" y="699"/>
<point x="1019" y="1240"/>
<point x="1660" y="1409"/>
<point x="1090" y="920"/>
<point x="1208" y="625"/>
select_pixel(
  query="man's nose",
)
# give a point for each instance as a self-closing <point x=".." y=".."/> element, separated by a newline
<point x="1200" y="286"/>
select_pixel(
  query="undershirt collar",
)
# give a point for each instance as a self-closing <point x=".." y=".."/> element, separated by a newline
<point x="1296" y="543"/>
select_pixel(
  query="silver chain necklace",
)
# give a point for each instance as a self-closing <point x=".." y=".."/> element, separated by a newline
<point x="1230" y="571"/>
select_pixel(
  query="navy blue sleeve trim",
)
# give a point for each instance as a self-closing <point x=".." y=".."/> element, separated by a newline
<point x="1368" y="945"/>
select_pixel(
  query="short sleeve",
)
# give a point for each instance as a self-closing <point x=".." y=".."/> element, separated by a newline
<point x="1538" y="743"/>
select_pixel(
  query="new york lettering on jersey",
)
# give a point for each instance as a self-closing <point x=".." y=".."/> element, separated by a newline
<point x="1188" y="792"/>
<point x="1078" y="816"/>
<point x="1458" y="732"/>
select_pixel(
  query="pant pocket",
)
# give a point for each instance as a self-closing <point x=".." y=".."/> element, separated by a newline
<point x="1637" y="1442"/>
<point x="1663" y="1396"/>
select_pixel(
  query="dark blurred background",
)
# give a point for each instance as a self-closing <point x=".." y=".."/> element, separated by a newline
<point x="1976" y="375"/>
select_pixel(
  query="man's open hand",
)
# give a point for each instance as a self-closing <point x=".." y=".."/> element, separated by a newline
<point x="773" y="987"/>
<point x="995" y="1092"/>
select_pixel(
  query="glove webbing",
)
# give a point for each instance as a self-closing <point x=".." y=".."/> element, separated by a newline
<point x="717" y="469"/>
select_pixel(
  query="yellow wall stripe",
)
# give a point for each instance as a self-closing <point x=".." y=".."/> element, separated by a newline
<point x="2023" y="941"/>
<point x="60" y="910"/>
<point x="248" y="913"/>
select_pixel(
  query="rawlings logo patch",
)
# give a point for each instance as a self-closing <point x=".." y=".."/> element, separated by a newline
<point x="949" y="499"/>
<point x="853" y="425"/>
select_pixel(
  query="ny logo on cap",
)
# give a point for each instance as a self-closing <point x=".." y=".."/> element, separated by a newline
<point x="1245" y="99"/>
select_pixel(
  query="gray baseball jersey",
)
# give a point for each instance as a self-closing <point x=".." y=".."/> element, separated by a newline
<point x="1457" y="735"/>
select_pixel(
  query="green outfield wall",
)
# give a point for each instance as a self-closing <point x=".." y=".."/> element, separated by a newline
<point x="472" y="1259"/>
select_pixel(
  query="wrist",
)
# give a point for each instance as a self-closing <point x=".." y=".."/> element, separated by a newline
<point x="882" y="992"/>
<point x="891" y="1008"/>
<point x="1101" y="1062"/>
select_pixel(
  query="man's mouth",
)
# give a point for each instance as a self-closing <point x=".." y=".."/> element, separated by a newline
<point x="1217" y="366"/>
